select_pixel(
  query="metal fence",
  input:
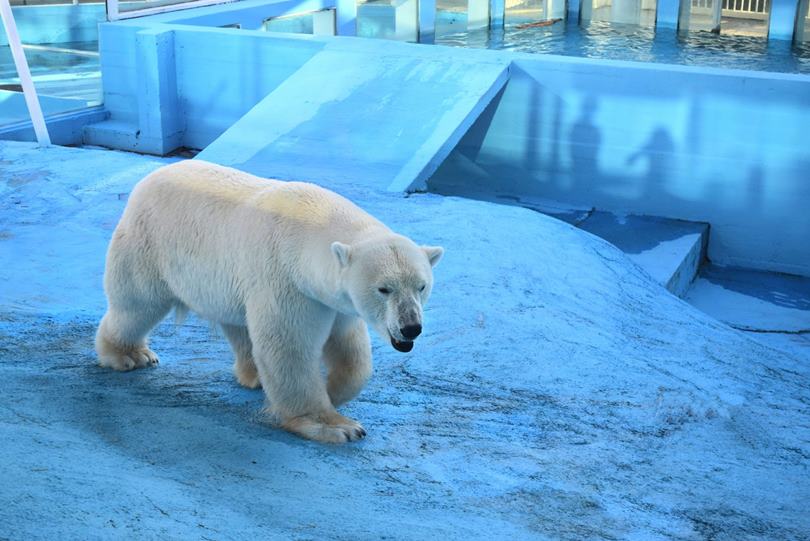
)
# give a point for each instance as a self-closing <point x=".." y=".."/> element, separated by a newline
<point x="746" y="6"/>
<point x="751" y="9"/>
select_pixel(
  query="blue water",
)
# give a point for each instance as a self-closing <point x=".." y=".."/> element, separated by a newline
<point x="630" y="42"/>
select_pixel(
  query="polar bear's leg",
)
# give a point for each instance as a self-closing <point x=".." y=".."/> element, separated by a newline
<point x="243" y="366"/>
<point x="137" y="300"/>
<point x="288" y="337"/>
<point x="121" y="338"/>
<point x="348" y="357"/>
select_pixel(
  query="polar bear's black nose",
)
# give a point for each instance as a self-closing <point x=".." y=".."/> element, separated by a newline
<point x="411" y="331"/>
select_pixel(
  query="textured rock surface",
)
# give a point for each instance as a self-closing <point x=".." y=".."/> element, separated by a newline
<point x="557" y="393"/>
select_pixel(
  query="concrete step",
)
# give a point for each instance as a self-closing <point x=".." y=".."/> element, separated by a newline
<point x="671" y="251"/>
<point x="350" y="115"/>
<point x="773" y="307"/>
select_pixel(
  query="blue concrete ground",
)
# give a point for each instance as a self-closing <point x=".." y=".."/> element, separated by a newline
<point x="558" y="393"/>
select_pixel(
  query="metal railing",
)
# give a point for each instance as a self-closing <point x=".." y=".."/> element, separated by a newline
<point x="750" y="9"/>
<point x="746" y="6"/>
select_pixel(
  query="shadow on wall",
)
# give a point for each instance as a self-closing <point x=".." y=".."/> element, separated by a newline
<point x="584" y="143"/>
<point x="657" y="154"/>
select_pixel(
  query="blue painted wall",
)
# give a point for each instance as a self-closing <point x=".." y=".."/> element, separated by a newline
<point x="57" y="23"/>
<point x="726" y="147"/>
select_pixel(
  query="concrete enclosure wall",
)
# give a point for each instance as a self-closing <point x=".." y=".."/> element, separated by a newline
<point x="176" y="86"/>
<point x="726" y="147"/>
<point x="170" y="83"/>
<point x="721" y="146"/>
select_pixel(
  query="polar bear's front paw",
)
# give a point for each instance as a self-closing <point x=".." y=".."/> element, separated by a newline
<point x="124" y="361"/>
<point x="328" y="428"/>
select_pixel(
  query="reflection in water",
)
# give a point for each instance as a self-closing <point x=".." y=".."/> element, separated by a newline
<point x="631" y="42"/>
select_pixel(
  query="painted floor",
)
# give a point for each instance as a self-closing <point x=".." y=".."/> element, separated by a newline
<point x="558" y="393"/>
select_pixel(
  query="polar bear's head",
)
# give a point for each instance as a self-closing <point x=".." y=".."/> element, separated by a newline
<point x="388" y="279"/>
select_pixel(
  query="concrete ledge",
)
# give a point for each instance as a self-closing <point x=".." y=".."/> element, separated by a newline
<point x="122" y="135"/>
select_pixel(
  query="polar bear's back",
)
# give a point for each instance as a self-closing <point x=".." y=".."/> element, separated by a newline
<point x="193" y="186"/>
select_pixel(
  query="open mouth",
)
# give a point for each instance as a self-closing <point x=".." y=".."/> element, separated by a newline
<point x="404" y="347"/>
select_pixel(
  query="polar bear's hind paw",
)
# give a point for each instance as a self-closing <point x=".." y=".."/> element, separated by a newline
<point x="333" y="428"/>
<point x="124" y="361"/>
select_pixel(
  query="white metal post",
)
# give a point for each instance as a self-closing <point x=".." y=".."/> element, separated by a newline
<point x="31" y="100"/>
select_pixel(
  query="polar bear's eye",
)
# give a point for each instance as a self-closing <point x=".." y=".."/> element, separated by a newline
<point x="384" y="290"/>
<point x="422" y="288"/>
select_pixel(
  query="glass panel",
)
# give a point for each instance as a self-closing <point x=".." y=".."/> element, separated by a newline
<point x="60" y="42"/>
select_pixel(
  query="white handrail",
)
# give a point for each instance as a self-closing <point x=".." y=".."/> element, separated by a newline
<point x="30" y="93"/>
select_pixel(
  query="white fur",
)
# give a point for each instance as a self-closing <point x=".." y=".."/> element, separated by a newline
<point x="291" y="271"/>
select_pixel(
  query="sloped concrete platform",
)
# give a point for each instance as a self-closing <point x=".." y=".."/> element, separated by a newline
<point x="557" y="393"/>
<point x="384" y="118"/>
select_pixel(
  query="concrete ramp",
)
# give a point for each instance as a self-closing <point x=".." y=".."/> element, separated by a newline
<point x="385" y="120"/>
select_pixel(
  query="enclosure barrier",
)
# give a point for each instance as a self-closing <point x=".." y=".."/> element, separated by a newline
<point x="416" y="19"/>
<point x="31" y="99"/>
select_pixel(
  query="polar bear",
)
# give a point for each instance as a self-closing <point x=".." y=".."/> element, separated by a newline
<point x="292" y="272"/>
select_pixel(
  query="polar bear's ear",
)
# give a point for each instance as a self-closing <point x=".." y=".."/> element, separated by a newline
<point x="341" y="251"/>
<point x="433" y="253"/>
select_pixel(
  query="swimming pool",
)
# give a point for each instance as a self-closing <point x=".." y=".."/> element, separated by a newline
<point x="637" y="43"/>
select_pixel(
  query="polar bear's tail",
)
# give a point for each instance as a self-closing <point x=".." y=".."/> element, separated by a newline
<point x="180" y="313"/>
